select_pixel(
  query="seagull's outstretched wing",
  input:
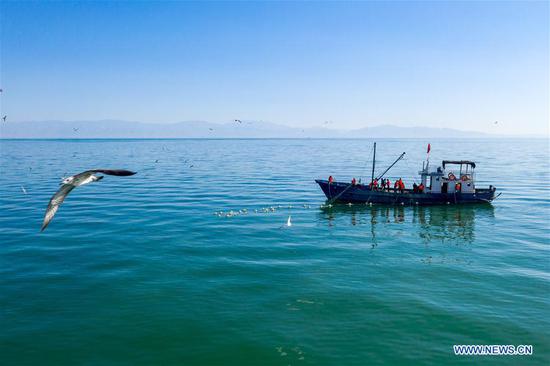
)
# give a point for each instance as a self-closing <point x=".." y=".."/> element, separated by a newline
<point x="119" y="172"/>
<point x="56" y="200"/>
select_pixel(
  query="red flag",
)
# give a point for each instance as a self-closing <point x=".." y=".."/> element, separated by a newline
<point x="429" y="148"/>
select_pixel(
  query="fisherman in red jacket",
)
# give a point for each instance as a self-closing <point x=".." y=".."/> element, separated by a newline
<point x="400" y="185"/>
<point x="330" y="179"/>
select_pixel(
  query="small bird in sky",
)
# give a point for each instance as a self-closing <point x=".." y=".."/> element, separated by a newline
<point x="75" y="129"/>
<point x="156" y="161"/>
<point x="238" y="121"/>
<point x="4" y="118"/>
<point x="211" y="129"/>
<point x="70" y="183"/>
<point x="496" y="122"/>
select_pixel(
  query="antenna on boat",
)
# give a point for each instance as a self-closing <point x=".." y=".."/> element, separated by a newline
<point x="373" y="163"/>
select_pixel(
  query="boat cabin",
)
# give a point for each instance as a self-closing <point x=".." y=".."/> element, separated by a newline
<point x="459" y="177"/>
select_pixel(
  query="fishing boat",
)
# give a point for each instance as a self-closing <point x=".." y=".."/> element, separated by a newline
<point x="451" y="183"/>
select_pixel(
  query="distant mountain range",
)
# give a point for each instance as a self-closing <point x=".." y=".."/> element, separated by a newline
<point x="200" y="129"/>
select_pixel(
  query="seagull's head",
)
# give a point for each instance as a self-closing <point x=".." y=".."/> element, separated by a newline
<point x="67" y="180"/>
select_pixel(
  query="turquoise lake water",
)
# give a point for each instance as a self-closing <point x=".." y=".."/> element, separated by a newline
<point x="140" y="271"/>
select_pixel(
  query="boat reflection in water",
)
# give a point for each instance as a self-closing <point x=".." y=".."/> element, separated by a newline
<point x="447" y="224"/>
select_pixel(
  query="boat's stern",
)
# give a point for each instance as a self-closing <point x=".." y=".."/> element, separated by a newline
<point x="486" y="194"/>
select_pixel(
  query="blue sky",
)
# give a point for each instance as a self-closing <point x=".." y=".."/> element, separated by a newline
<point x="440" y="64"/>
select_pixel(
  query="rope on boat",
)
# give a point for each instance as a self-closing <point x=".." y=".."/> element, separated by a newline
<point x="489" y="201"/>
<point x="338" y="195"/>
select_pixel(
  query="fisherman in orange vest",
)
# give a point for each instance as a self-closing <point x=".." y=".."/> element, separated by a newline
<point x="330" y="179"/>
<point x="421" y="188"/>
<point x="375" y="184"/>
<point x="353" y="181"/>
<point x="400" y="185"/>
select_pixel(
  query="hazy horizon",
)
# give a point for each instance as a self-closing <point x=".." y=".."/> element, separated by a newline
<point x="236" y="129"/>
<point x="354" y="65"/>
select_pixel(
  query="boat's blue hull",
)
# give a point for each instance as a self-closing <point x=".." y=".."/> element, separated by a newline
<point x="345" y="192"/>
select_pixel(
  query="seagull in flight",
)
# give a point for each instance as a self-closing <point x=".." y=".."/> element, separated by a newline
<point x="75" y="129"/>
<point x="4" y="118"/>
<point x="238" y="121"/>
<point x="70" y="183"/>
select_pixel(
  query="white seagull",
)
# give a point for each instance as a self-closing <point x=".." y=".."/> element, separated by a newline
<point x="70" y="183"/>
<point x="288" y="222"/>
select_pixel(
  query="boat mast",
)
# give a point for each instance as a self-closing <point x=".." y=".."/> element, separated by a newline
<point x="373" y="163"/>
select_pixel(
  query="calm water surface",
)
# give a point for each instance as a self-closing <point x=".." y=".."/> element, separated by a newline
<point x="140" y="271"/>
